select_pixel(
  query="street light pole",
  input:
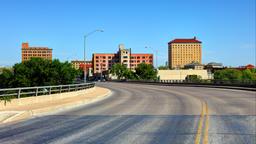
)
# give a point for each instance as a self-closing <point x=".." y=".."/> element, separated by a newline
<point x="156" y="59"/>
<point x="85" y="73"/>
<point x="85" y="37"/>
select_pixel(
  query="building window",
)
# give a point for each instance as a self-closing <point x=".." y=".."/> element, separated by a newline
<point x="97" y="57"/>
<point x="125" y="56"/>
<point x="109" y="57"/>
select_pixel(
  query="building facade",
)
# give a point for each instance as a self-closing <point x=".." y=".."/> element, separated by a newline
<point x="184" y="51"/>
<point x="180" y="75"/>
<point x="104" y="61"/>
<point x="137" y="59"/>
<point x="35" y="52"/>
<point x="79" y="64"/>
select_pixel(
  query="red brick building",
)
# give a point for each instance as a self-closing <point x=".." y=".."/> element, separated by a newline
<point x="137" y="59"/>
<point x="79" y="64"/>
<point x="104" y="61"/>
<point x="249" y="66"/>
<point x="29" y="52"/>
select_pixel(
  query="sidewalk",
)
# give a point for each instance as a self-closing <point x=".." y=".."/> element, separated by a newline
<point x="24" y="108"/>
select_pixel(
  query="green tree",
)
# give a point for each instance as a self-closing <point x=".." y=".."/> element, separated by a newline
<point x="6" y="78"/>
<point x="38" y="72"/>
<point x="163" y="67"/>
<point x="146" y="72"/>
<point x="128" y="74"/>
<point x="193" y="78"/>
<point x="118" y="70"/>
<point x="62" y="73"/>
<point x="248" y="75"/>
<point x="228" y="75"/>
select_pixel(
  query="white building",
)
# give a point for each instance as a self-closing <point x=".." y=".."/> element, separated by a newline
<point x="180" y="75"/>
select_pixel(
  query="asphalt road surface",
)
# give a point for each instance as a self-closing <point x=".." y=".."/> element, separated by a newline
<point x="146" y="114"/>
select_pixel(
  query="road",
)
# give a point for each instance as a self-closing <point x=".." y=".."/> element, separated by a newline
<point x="146" y="114"/>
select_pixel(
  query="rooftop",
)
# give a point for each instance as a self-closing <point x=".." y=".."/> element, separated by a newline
<point x="37" y="48"/>
<point x="80" y="61"/>
<point x="25" y="45"/>
<point x="193" y="40"/>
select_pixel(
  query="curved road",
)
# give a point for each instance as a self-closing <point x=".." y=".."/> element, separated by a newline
<point x="146" y="114"/>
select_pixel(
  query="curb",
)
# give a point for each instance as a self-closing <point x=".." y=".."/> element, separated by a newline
<point x="22" y="115"/>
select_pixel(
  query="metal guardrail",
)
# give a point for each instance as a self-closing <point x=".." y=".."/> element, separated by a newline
<point x="43" y="90"/>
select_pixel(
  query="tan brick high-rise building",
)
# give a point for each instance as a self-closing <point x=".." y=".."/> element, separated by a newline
<point x="29" y="52"/>
<point x="184" y="51"/>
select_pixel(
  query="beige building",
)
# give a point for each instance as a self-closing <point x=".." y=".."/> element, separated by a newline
<point x="184" y="51"/>
<point x="124" y="55"/>
<point x="180" y="75"/>
<point x="28" y="52"/>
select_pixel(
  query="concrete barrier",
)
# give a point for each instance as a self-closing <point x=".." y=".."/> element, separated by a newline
<point x="191" y="85"/>
<point x="40" y="99"/>
<point x="24" y="108"/>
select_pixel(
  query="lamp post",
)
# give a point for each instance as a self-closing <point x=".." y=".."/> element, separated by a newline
<point x="85" y="37"/>
<point x="156" y="52"/>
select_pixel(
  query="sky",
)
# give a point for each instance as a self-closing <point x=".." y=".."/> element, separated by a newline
<point x="225" y="27"/>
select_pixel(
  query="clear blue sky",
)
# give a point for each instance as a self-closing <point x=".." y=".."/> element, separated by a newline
<point x="226" y="27"/>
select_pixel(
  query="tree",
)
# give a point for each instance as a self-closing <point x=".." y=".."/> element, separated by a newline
<point x="128" y="74"/>
<point x="119" y="70"/>
<point x="193" y="78"/>
<point x="248" y="75"/>
<point x="64" y="73"/>
<point x="146" y="72"/>
<point x="6" y="78"/>
<point x="228" y="75"/>
<point x="163" y="67"/>
<point x="38" y="72"/>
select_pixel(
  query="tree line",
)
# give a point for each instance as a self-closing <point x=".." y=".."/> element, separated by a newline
<point x="235" y="75"/>
<point x="142" y="72"/>
<point x="38" y="72"/>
